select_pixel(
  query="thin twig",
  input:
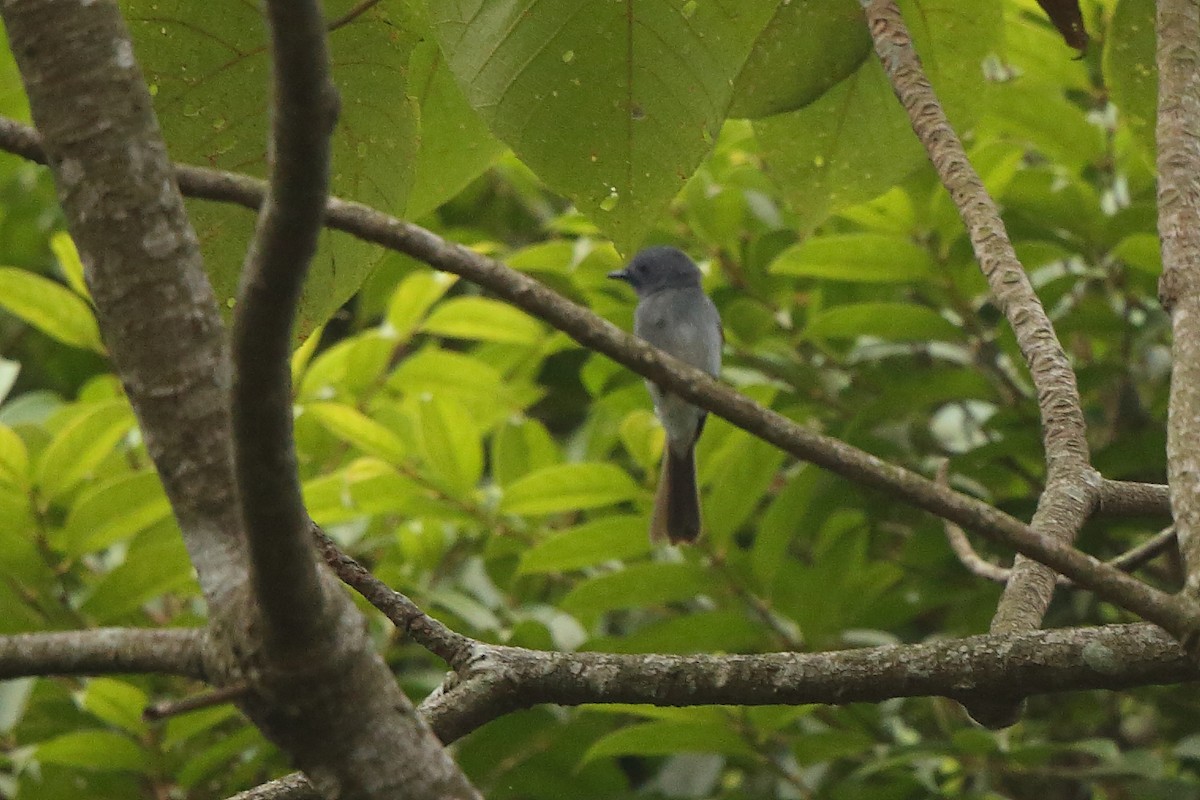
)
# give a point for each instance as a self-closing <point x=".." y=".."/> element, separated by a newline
<point x="164" y="709"/>
<point x="450" y="646"/>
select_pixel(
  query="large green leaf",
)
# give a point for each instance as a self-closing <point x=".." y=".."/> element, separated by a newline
<point x="98" y="750"/>
<point x="80" y="447"/>
<point x="613" y="104"/>
<point x="1130" y="68"/>
<point x="666" y="737"/>
<point x="855" y="141"/>
<point x="637" y="586"/>
<point x="568" y="487"/>
<point x="450" y="442"/>
<point x="116" y="702"/>
<point x="209" y="75"/>
<point x="351" y="425"/>
<point x="862" y="257"/>
<point x="50" y="307"/>
<point x="806" y="49"/>
<point x="898" y="321"/>
<point x="112" y="511"/>
<point x="594" y="542"/>
<point x="484" y="319"/>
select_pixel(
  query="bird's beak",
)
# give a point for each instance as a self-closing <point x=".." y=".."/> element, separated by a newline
<point x="620" y="275"/>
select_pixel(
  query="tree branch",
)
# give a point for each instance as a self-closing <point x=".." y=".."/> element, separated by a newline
<point x="323" y="693"/>
<point x="1128" y="561"/>
<point x="1178" y="26"/>
<point x="104" y="651"/>
<point x="1131" y="499"/>
<point x="304" y="110"/>
<point x="155" y="307"/>
<point x="502" y="679"/>
<point x="448" y="645"/>
<point x="1072" y="485"/>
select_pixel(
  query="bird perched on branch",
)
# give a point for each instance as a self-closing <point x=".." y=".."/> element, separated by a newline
<point x="675" y="315"/>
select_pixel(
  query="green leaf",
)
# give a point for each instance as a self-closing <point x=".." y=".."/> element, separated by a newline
<point x="63" y="247"/>
<point x="484" y="319"/>
<point x="184" y="726"/>
<point x="236" y="746"/>
<point x="639" y="586"/>
<point x="722" y="631"/>
<point x="613" y="106"/>
<point x="156" y="563"/>
<point x="473" y="382"/>
<point x="96" y="750"/>
<point x="805" y="49"/>
<point x="863" y="257"/>
<point x="415" y="295"/>
<point x="9" y="370"/>
<point x="455" y="143"/>
<point x="14" y="459"/>
<point x="350" y="425"/>
<point x="450" y="441"/>
<point x="642" y="437"/>
<point x="594" y="542"/>
<point x="1130" y="69"/>
<point x="568" y="487"/>
<point x="209" y="73"/>
<point x="896" y="321"/>
<point x="50" y="307"/>
<point x="855" y="141"/>
<point x="80" y="447"/>
<point x="663" y="738"/>
<point x="521" y="446"/>
<point x="113" y="511"/>
<point x="738" y="482"/>
<point x="116" y="702"/>
<point x="1143" y="251"/>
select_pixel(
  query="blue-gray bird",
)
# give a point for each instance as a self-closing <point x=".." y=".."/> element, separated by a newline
<point x="674" y="314"/>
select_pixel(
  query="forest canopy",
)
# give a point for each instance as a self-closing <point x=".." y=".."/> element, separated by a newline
<point x="481" y="458"/>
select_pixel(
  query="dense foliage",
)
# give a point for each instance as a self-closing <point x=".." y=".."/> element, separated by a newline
<point x="500" y="475"/>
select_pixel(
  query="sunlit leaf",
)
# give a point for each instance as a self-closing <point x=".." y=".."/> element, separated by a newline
<point x="97" y="750"/>
<point x="899" y="321"/>
<point x="605" y="539"/>
<point x="639" y="585"/>
<point x="80" y="447"/>
<point x="50" y="307"/>
<point x="482" y="318"/>
<point x="665" y="738"/>
<point x="858" y="257"/>
<point x="614" y="107"/>
<point x="351" y="425"/>
<point x="568" y="487"/>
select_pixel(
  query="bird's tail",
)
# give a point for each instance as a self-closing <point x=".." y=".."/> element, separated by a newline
<point x="677" y="502"/>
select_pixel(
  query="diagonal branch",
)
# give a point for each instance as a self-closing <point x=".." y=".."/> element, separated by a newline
<point x="1178" y="26"/>
<point x="304" y="110"/>
<point x="1072" y="485"/>
<point x="367" y="224"/>
<point x="322" y="693"/>
<point x="1128" y="561"/>
<point x="104" y="651"/>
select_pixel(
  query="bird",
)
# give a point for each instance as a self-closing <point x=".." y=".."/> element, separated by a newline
<point x="675" y="315"/>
